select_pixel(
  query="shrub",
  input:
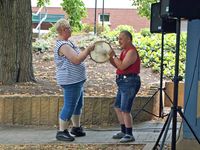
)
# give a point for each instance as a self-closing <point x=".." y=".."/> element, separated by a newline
<point x="40" y="45"/>
<point x="90" y="28"/>
<point x="149" y="48"/>
<point x="87" y="28"/>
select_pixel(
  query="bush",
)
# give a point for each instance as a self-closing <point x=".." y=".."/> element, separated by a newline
<point x="145" y="32"/>
<point x="87" y="28"/>
<point x="51" y="34"/>
<point x="149" y="48"/>
<point x="40" y="45"/>
<point x="90" y="28"/>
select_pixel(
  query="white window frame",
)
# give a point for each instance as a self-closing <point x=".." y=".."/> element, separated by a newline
<point x="105" y="22"/>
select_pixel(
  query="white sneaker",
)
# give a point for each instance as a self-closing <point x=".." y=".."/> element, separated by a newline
<point x="127" y="138"/>
<point x="118" y="135"/>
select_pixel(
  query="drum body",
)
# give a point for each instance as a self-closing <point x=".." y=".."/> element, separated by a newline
<point x="100" y="54"/>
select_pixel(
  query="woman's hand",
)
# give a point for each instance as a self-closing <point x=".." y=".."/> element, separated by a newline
<point x="90" y="48"/>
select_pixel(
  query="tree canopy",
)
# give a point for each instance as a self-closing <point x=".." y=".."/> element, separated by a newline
<point x="42" y="2"/>
<point x="75" y="10"/>
<point x="144" y="7"/>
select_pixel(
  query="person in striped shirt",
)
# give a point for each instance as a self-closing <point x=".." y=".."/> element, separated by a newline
<point x="70" y="75"/>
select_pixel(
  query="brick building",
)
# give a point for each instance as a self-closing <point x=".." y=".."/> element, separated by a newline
<point x="120" y="12"/>
<point x="116" y="16"/>
<point x="53" y="14"/>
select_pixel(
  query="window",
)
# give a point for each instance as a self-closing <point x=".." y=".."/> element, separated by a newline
<point x="106" y="18"/>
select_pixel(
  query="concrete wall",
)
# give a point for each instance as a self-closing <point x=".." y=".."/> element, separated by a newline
<point x="44" y="110"/>
<point x="169" y="96"/>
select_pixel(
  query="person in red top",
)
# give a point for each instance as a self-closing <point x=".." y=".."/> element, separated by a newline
<point x="128" y="82"/>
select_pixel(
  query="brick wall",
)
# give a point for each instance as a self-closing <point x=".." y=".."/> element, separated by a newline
<point x="119" y="17"/>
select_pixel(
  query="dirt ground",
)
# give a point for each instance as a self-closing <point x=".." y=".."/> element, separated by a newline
<point x="100" y="82"/>
<point x="75" y="146"/>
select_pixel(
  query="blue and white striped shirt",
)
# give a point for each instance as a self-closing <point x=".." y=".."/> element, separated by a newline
<point x="66" y="71"/>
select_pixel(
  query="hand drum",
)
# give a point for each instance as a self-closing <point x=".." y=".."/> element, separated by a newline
<point x="100" y="54"/>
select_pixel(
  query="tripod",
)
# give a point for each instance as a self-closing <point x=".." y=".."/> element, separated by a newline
<point x="175" y="109"/>
<point x="160" y="89"/>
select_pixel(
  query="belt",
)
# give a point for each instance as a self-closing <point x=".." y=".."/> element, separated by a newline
<point x="124" y="76"/>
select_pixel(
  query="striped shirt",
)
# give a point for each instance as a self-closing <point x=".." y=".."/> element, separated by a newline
<point x="66" y="71"/>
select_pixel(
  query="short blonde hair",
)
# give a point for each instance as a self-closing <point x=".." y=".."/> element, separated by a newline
<point x="61" y="23"/>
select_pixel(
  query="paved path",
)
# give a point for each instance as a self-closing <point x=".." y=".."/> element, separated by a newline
<point x="146" y="132"/>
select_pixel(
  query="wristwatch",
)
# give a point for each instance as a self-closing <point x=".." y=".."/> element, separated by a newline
<point x="114" y="56"/>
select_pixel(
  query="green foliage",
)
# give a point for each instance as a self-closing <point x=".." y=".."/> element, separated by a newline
<point x="112" y="36"/>
<point x="149" y="48"/>
<point x="40" y="45"/>
<point x="51" y="34"/>
<point x="76" y="11"/>
<point x="42" y="2"/>
<point x="90" y="28"/>
<point x="144" y="7"/>
<point x="100" y="29"/>
<point x="125" y="27"/>
<point x="145" y="32"/>
<point x="87" y="28"/>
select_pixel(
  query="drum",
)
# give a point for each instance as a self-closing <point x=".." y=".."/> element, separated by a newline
<point x="100" y="54"/>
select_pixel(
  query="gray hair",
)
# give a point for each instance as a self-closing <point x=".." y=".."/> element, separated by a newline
<point x="61" y="23"/>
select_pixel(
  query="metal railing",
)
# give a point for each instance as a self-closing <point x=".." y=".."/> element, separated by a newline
<point x="41" y="19"/>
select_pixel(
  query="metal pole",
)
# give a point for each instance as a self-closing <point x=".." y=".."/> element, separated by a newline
<point x="95" y="16"/>
<point x="161" y="76"/>
<point x="40" y="16"/>
<point x="103" y="17"/>
<point x="176" y="81"/>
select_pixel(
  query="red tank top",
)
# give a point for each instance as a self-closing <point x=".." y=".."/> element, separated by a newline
<point x="134" y="68"/>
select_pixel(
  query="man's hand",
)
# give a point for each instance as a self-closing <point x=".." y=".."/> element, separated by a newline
<point x="112" y="53"/>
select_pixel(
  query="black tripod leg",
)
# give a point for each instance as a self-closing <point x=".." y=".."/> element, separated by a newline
<point x="182" y="115"/>
<point x="166" y="130"/>
<point x="144" y="105"/>
<point x="168" y="97"/>
<point x="168" y="120"/>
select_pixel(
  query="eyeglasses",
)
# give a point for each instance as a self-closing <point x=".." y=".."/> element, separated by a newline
<point x="68" y="29"/>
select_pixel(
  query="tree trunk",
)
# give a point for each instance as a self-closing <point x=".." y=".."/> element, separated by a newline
<point x="15" y="41"/>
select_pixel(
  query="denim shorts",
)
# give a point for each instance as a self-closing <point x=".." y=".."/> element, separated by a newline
<point x="128" y="87"/>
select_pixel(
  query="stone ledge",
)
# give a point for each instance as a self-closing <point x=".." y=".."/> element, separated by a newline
<point x="169" y="86"/>
<point x="44" y="110"/>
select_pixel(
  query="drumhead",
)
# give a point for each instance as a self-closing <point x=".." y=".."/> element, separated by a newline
<point x="100" y="54"/>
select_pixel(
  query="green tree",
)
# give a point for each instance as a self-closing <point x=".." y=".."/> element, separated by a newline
<point x="144" y="7"/>
<point x="75" y="10"/>
<point x="42" y="2"/>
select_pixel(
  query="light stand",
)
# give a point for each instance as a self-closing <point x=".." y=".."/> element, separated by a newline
<point x="95" y="18"/>
<point x="175" y="108"/>
<point x="160" y="89"/>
